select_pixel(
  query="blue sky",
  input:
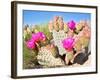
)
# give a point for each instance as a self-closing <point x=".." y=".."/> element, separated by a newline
<point x="32" y="17"/>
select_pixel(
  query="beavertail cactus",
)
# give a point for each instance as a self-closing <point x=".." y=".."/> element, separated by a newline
<point x="46" y="58"/>
<point x="58" y="37"/>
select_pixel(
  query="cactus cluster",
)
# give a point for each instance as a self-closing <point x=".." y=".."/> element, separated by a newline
<point x="47" y="59"/>
<point x="68" y="39"/>
<point x="71" y="37"/>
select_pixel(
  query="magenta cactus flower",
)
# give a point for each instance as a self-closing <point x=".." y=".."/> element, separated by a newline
<point x="31" y="44"/>
<point x="42" y="36"/>
<point x="71" y="25"/>
<point x="38" y="36"/>
<point x="35" y="37"/>
<point x="68" y="43"/>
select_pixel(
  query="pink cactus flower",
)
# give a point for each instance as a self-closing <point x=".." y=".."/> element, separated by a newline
<point x="68" y="43"/>
<point x="42" y="36"/>
<point x="31" y="44"/>
<point x="35" y="37"/>
<point x="38" y="36"/>
<point x="71" y="25"/>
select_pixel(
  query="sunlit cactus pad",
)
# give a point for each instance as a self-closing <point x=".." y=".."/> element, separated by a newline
<point x="58" y="37"/>
<point x="46" y="58"/>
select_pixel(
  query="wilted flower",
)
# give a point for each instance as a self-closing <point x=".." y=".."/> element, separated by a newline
<point x="31" y="44"/>
<point x="71" y="25"/>
<point x="68" y="43"/>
